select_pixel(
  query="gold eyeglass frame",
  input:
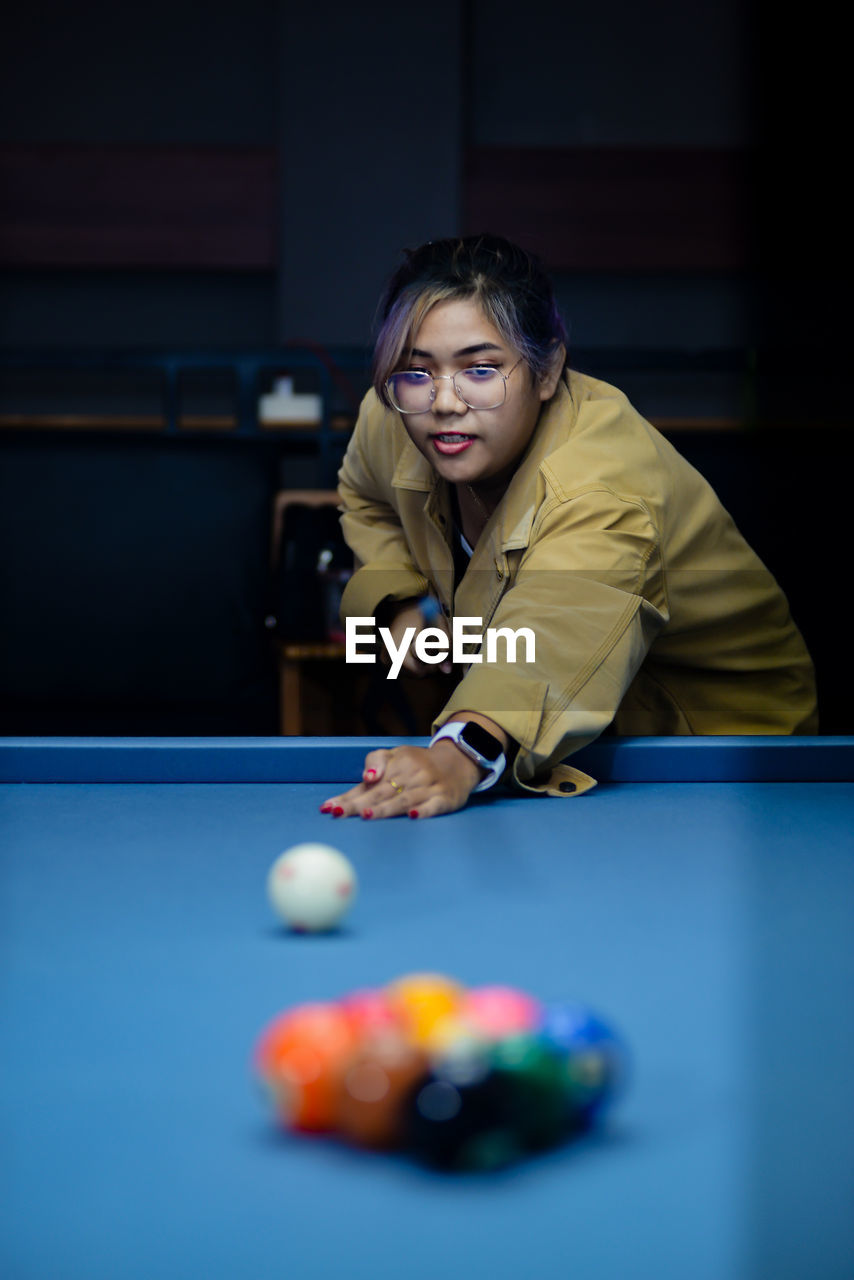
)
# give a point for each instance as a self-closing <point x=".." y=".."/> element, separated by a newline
<point x="450" y="377"/>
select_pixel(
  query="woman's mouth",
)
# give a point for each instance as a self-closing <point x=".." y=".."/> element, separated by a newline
<point x="450" y="442"/>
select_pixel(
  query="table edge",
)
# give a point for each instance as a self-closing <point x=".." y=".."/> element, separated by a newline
<point x="340" y="760"/>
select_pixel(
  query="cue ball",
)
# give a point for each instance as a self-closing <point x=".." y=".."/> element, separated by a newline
<point x="311" y="887"/>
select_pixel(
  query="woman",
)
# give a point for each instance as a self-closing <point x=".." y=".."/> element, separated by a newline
<point x="487" y="480"/>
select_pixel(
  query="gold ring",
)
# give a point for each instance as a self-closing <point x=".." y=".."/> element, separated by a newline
<point x="398" y="788"/>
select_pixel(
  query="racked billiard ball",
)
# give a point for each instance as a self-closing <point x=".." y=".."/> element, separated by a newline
<point x="499" y="1011"/>
<point x="375" y="1089"/>
<point x="462" y="1116"/>
<point x="595" y="1059"/>
<point x="301" y="1057"/>
<point x="534" y="1073"/>
<point x="423" y="1000"/>
<point x="370" y="1012"/>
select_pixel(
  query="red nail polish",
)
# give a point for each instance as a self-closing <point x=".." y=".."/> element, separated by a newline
<point x="337" y="811"/>
<point x="326" y="808"/>
<point x="367" y="813"/>
<point x="413" y="813"/>
<point x="370" y="773"/>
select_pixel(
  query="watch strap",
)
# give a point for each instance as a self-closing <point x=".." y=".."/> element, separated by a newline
<point x="495" y="768"/>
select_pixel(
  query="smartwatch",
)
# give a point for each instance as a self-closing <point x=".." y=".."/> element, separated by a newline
<point x="477" y="743"/>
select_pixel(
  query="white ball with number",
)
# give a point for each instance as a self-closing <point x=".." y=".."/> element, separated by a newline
<point x="311" y="887"/>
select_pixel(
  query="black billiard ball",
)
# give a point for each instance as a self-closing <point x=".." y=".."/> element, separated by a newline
<point x="462" y="1116"/>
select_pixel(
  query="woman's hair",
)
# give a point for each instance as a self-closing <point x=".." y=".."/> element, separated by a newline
<point x="511" y="286"/>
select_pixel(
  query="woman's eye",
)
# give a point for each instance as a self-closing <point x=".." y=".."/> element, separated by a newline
<point x="481" y="372"/>
<point x="413" y="377"/>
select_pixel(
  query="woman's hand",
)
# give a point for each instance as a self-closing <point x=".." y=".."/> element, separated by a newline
<point x="419" y="781"/>
<point x="411" y="615"/>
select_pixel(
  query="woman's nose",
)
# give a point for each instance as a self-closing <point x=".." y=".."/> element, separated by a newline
<point x="446" y="399"/>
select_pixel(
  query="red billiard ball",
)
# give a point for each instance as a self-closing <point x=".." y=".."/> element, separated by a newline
<point x="370" y="1012"/>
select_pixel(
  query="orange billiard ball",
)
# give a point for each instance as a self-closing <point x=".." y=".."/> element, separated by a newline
<point x="301" y="1057"/>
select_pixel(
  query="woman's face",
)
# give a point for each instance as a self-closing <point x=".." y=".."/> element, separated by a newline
<point x="464" y="445"/>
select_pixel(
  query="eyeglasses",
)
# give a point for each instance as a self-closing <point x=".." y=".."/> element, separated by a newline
<point x="480" y="387"/>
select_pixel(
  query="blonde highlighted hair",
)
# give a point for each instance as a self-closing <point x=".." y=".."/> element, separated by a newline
<point x="509" y="284"/>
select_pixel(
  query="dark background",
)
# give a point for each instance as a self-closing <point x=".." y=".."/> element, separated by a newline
<point x="236" y="178"/>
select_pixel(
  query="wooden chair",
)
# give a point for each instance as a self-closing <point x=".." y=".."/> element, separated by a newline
<point x="294" y="657"/>
<point x="320" y="695"/>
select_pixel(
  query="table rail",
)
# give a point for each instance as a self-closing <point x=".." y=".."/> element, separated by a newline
<point x="339" y="760"/>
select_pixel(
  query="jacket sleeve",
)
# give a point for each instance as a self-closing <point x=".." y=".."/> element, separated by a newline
<point x="371" y="526"/>
<point x="591" y="589"/>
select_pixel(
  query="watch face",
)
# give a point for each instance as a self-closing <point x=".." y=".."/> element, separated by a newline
<point x="483" y="742"/>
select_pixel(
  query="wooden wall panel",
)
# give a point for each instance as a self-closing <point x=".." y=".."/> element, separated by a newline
<point x="615" y="209"/>
<point x="143" y="206"/>
<point x="580" y="209"/>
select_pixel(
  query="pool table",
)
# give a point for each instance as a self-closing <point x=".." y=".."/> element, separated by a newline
<point x="701" y="897"/>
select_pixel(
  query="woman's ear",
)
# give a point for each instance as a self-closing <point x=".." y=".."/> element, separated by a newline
<point x="550" y="379"/>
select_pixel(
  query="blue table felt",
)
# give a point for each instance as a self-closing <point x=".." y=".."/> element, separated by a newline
<point x="139" y="960"/>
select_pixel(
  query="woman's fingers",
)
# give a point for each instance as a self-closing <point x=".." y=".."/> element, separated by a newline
<point x="375" y="766"/>
<point x="366" y="793"/>
<point x="411" y="781"/>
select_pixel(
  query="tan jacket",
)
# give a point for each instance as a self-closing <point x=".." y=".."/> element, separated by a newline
<point x="651" y="612"/>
